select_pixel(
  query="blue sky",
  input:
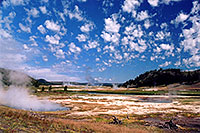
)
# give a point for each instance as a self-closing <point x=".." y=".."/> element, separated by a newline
<point x="101" y="40"/>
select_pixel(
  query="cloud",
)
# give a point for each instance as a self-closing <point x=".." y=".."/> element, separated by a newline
<point x="4" y="34"/>
<point x="81" y="37"/>
<point x="8" y="20"/>
<point x="118" y="56"/>
<point x="60" y="54"/>
<point x="111" y="29"/>
<point x="130" y="6"/>
<point x="178" y="63"/>
<point x="45" y="58"/>
<point x="56" y="49"/>
<point x="74" y="49"/>
<point x="133" y="34"/>
<point x="157" y="50"/>
<point x="142" y="16"/>
<point x="106" y="36"/>
<point x="136" y="47"/>
<point x="153" y="2"/>
<point x="34" y="12"/>
<point x="32" y="39"/>
<point x="52" y="26"/>
<point x="107" y="5"/>
<point x="163" y="26"/>
<point x="195" y="8"/>
<point x="45" y="1"/>
<point x="52" y="39"/>
<point x="50" y="75"/>
<point x="193" y="61"/>
<point x="87" y="27"/>
<point x="191" y="41"/>
<point x="91" y="45"/>
<point x="168" y="1"/>
<point x="110" y="37"/>
<point x="167" y="63"/>
<point x="13" y="2"/>
<point x="181" y="18"/>
<point x="134" y="31"/>
<point x="24" y="28"/>
<point x="147" y="24"/>
<point x="77" y="14"/>
<point x="97" y="59"/>
<point x="61" y="16"/>
<point x="111" y="48"/>
<point x="41" y="29"/>
<point x="43" y="9"/>
<point x="26" y="47"/>
<point x="167" y="47"/>
<point x="160" y="35"/>
<point x="82" y="0"/>
<point x="111" y="25"/>
<point x="125" y="40"/>
<point x="12" y="55"/>
<point x="63" y="31"/>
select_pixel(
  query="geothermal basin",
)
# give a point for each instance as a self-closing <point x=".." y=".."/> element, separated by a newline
<point x="95" y="104"/>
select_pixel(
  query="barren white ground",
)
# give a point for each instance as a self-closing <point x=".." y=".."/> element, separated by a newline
<point x="121" y="104"/>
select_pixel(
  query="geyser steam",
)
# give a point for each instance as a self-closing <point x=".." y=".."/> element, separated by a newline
<point x="18" y="96"/>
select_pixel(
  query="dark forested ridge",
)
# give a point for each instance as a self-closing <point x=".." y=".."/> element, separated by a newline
<point x="164" y="77"/>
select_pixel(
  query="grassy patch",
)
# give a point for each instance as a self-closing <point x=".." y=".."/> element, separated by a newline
<point x="189" y="93"/>
<point x="13" y="120"/>
<point x="126" y="92"/>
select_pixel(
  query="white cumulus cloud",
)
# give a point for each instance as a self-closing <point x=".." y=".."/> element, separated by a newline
<point x="60" y="54"/>
<point x="43" y="9"/>
<point x="167" y="47"/>
<point x="91" y="45"/>
<point x="81" y="37"/>
<point x="111" y="29"/>
<point x="24" y="28"/>
<point x="52" y="26"/>
<point x="74" y="49"/>
<point x="130" y="6"/>
<point x="142" y="15"/>
<point x="77" y="13"/>
<point x="34" y="12"/>
<point x="4" y="34"/>
<point x="82" y="0"/>
<point x="52" y="39"/>
<point x="45" y="58"/>
<point x="153" y="2"/>
<point x="181" y="18"/>
<point x="167" y="63"/>
<point x="111" y="25"/>
<point x="41" y="29"/>
<point x="87" y="27"/>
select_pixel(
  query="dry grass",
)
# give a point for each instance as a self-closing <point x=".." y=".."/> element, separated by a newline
<point x="13" y="120"/>
<point x="87" y="118"/>
<point x="101" y="127"/>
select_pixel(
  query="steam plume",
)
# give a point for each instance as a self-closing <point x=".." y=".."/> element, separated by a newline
<point x="18" y="96"/>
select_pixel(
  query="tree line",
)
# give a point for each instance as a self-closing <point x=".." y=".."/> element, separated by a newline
<point x="164" y="77"/>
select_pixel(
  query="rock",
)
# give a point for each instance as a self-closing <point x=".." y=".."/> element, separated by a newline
<point x="115" y="121"/>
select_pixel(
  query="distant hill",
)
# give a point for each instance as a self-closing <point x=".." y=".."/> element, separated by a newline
<point x="11" y="77"/>
<point x="164" y="77"/>
<point x="6" y="74"/>
<point x="43" y="82"/>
